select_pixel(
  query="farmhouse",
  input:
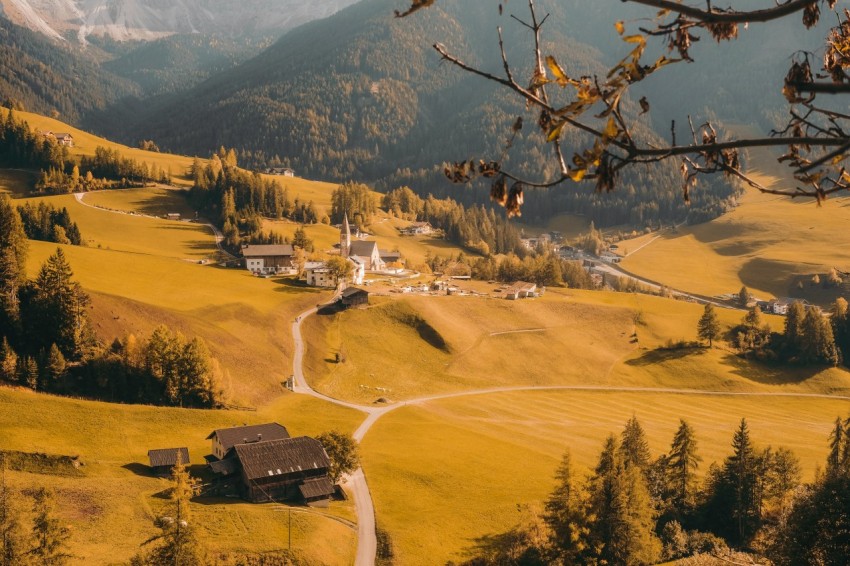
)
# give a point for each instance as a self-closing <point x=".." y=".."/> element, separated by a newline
<point x="353" y="297"/>
<point x="173" y="216"/>
<point x="64" y="139"/>
<point x="224" y="439"/>
<point x="284" y="171"/>
<point x="317" y="274"/>
<point x="269" y="259"/>
<point x="162" y="460"/>
<point x="780" y="306"/>
<point x="417" y="229"/>
<point x="520" y="290"/>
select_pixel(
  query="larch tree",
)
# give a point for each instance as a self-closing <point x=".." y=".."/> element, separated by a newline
<point x="708" y="327"/>
<point x="177" y="540"/>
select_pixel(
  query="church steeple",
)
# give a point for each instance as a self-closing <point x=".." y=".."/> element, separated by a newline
<point x="344" y="237"/>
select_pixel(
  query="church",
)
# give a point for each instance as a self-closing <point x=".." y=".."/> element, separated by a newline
<point x="363" y="253"/>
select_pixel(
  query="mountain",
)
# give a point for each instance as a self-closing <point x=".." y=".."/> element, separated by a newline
<point x="362" y="95"/>
<point x="40" y="76"/>
<point x="146" y="20"/>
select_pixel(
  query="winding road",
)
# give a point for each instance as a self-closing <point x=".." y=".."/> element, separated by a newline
<point x="367" y="542"/>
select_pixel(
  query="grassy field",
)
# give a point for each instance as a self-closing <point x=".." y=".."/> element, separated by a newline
<point x="111" y="507"/>
<point x="765" y="243"/>
<point x="448" y="472"/>
<point x="403" y="348"/>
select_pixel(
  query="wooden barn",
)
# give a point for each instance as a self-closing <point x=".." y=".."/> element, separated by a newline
<point x="162" y="460"/>
<point x="285" y="470"/>
<point x="353" y="297"/>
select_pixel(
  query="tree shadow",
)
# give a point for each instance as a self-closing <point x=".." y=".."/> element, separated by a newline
<point x="509" y="547"/>
<point x="771" y="373"/>
<point x="659" y="356"/>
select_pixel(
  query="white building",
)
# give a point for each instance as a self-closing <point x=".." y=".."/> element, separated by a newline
<point x="317" y="274"/>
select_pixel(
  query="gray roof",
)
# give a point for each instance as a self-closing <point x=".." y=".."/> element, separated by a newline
<point x="279" y="457"/>
<point x="168" y="456"/>
<point x="363" y="248"/>
<point x="316" y="487"/>
<point x="268" y="250"/>
<point x="229" y="437"/>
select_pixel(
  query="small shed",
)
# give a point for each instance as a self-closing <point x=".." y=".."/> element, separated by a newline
<point x="162" y="460"/>
<point x="354" y="296"/>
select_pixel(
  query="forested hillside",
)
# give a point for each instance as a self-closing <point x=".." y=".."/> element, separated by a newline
<point x="40" y="76"/>
<point x="363" y="95"/>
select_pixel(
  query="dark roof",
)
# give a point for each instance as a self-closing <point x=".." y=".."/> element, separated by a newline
<point x="167" y="456"/>
<point x="390" y="255"/>
<point x="268" y="250"/>
<point x="362" y="248"/>
<point x="316" y="487"/>
<point x="225" y="467"/>
<point x="228" y="437"/>
<point x="279" y="457"/>
<point x="351" y="291"/>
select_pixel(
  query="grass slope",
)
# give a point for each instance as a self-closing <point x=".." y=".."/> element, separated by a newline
<point x="403" y="348"/>
<point x="446" y="473"/>
<point x="765" y="243"/>
<point x="111" y="507"/>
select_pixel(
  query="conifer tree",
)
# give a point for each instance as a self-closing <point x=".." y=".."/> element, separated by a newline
<point x="566" y="514"/>
<point x="818" y="343"/>
<point x="682" y="462"/>
<point x="51" y="537"/>
<point x="634" y="447"/>
<point x="840" y="321"/>
<point x="708" y="327"/>
<point x="740" y="472"/>
<point x="837" y="447"/>
<point x="793" y="334"/>
<point x="178" y="544"/>
<point x="56" y="365"/>
<point x="8" y="362"/>
<point x="15" y="542"/>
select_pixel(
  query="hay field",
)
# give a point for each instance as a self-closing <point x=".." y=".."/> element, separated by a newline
<point x="763" y="244"/>
<point x="448" y="472"/>
<point x="111" y="506"/>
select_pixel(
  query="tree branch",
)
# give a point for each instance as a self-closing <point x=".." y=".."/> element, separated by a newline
<point x="730" y="17"/>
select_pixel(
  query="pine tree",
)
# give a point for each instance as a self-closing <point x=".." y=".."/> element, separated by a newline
<point x="634" y="447"/>
<point x="30" y="373"/>
<point x="840" y="321"/>
<point x="55" y="367"/>
<point x="708" y="327"/>
<point x="624" y="518"/>
<point x="178" y="544"/>
<point x="818" y="343"/>
<point x="8" y="362"/>
<point x="683" y="461"/>
<point x="566" y="514"/>
<point x="740" y="472"/>
<point x="837" y="443"/>
<point x="793" y="334"/>
<point x="15" y="542"/>
<point x="50" y="535"/>
<point x="744" y="297"/>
